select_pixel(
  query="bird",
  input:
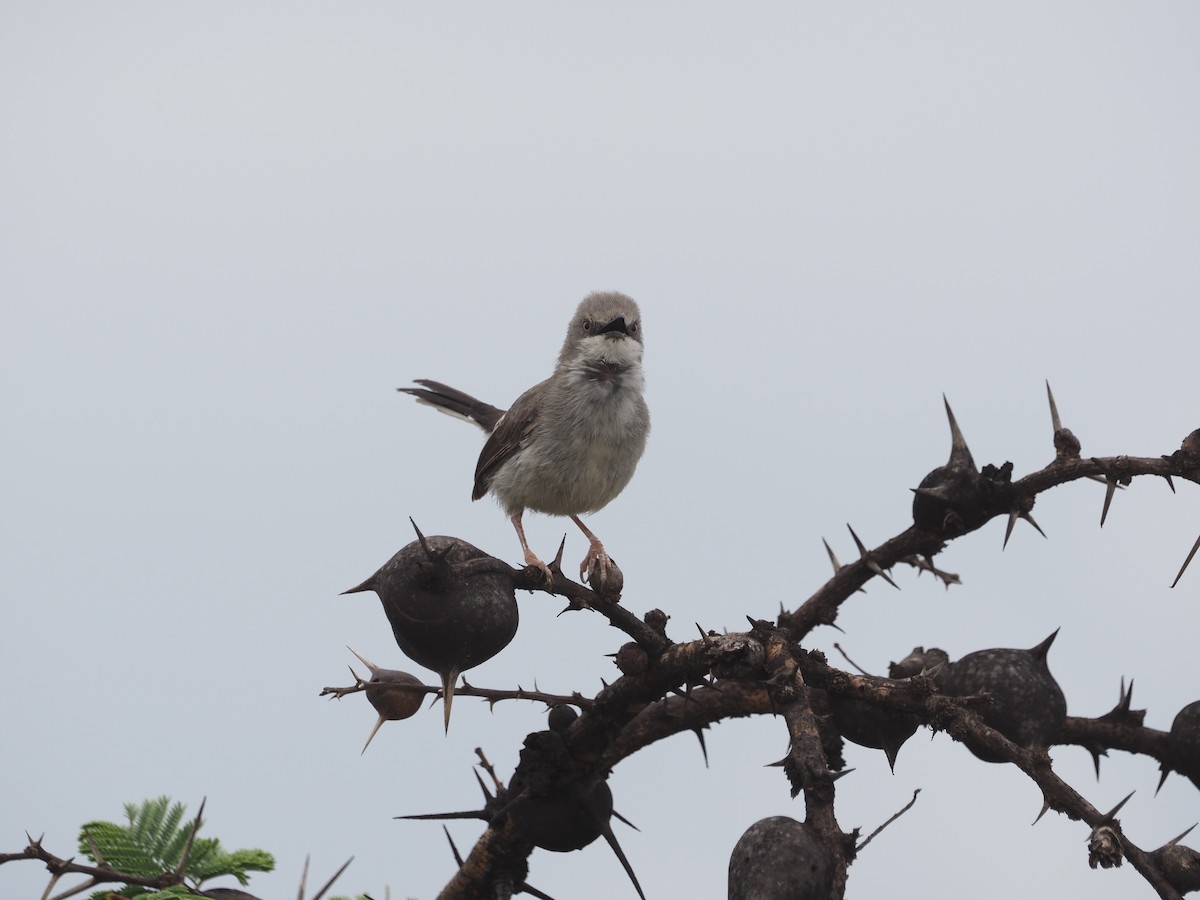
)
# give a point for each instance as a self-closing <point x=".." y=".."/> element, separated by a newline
<point x="570" y="444"/>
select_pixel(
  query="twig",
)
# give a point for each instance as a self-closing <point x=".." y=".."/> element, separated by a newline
<point x="902" y="811"/>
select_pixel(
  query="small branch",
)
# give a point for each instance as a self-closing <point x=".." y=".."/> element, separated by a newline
<point x="492" y="695"/>
<point x="902" y="811"/>
<point x="822" y="607"/>
<point x="102" y="874"/>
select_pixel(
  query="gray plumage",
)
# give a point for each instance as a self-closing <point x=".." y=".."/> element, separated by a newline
<point x="570" y="444"/>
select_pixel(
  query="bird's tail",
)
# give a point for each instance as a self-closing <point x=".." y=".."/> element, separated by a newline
<point x="455" y="403"/>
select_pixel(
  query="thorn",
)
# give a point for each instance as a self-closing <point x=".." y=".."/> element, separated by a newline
<point x="841" y="774"/>
<point x="617" y="815"/>
<point x="1042" y="649"/>
<point x="336" y="875"/>
<point x="837" y="567"/>
<point x="1036" y="527"/>
<point x="1112" y="813"/>
<point x="616" y="848"/>
<point x="891" y="750"/>
<point x="366" y="662"/>
<point x="832" y="556"/>
<point x="782" y="762"/>
<point x="699" y="732"/>
<point x="1012" y="520"/>
<point x="1045" y="809"/>
<point x="368" y="585"/>
<point x="448" y="680"/>
<point x="1183" y="568"/>
<point x="1170" y="483"/>
<point x="870" y="563"/>
<point x="862" y="548"/>
<point x="878" y="570"/>
<point x="187" y="850"/>
<point x="939" y="492"/>
<point x="1055" y="421"/>
<point x="839" y="649"/>
<point x="960" y="455"/>
<point x="1110" y="489"/>
<point x="457" y="858"/>
<point x="303" y="877"/>
<point x="466" y="814"/>
<point x="482" y="786"/>
<point x="1165" y="772"/>
<point x="559" y="555"/>
<point x="420" y="537"/>
<point x="1174" y="841"/>
<point x="371" y="736"/>
<point x="703" y="637"/>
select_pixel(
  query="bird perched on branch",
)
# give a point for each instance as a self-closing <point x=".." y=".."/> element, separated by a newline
<point x="570" y="444"/>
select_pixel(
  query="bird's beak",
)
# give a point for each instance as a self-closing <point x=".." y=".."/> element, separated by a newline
<point x="616" y="325"/>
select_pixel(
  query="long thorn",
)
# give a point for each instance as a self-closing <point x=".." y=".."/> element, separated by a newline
<point x="336" y="875"/>
<point x="1112" y="813"/>
<point x="448" y="694"/>
<point x="871" y="564"/>
<point x="862" y="548"/>
<point x="421" y="538"/>
<point x="1195" y="547"/>
<point x="1055" y="421"/>
<point x="1045" y="809"/>
<point x="187" y="849"/>
<point x="1174" y="841"/>
<point x="366" y="662"/>
<point x="303" y="877"/>
<point x="1028" y="518"/>
<point x="832" y="556"/>
<point x="616" y="848"/>
<point x="453" y="849"/>
<point x="960" y="454"/>
<point x="370" y="737"/>
<point x="1108" y="495"/>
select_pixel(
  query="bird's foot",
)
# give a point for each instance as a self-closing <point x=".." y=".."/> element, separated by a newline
<point x="532" y="560"/>
<point x="600" y="572"/>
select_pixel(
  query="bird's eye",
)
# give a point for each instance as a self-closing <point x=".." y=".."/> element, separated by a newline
<point x="587" y="324"/>
<point x="633" y="328"/>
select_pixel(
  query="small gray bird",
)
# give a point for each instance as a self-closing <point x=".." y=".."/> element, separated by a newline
<point x="569" y="445"/>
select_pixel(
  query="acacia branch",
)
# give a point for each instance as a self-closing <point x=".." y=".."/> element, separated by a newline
<point x="821" y="608"/>
<point x="763" y="670"/>
<point x="100" y="874"/>
<point x="492" y="695"/>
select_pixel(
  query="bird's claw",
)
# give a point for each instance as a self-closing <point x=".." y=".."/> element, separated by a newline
<point x="599" y="571"/>
<point x="532" y="560"/>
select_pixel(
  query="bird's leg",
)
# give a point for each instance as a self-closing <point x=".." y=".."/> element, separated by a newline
<point x="531" y="557"/>
<point x="595" y="566"/>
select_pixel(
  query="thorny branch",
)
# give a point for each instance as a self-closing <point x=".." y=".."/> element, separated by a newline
<point x="492" y="695"/>
<point x="915" y="544"/>
<point x="765" y="670"/>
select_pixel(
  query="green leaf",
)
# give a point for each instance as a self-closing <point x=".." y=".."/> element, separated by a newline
<point x="237" y="864"/>
<point x="153" y="844"/>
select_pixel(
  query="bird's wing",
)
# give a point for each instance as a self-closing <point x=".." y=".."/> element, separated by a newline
<point x="509" y="436"/>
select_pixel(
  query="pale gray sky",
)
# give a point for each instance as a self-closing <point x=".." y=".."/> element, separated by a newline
<point x="228" y="232"/>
